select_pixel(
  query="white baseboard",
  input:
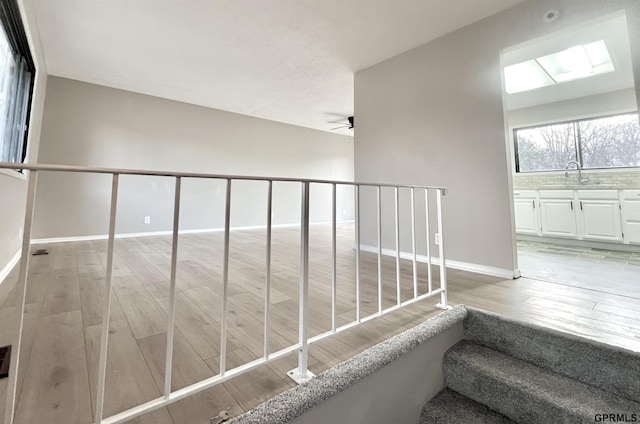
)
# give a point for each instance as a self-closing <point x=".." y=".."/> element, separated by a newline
<point x="462" y="266"/>
<point x="623" y="247"/>
<point x="4" y="272"/>
<point x="166" y="233"/>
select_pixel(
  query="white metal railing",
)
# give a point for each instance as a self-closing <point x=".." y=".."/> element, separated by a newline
<point x="301" y="373"/>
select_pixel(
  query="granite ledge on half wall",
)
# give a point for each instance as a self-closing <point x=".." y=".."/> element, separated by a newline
<point x="296" y="401"/>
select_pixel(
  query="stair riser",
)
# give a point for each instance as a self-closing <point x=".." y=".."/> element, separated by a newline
<point x="449" y="407"/>
<point x="608" y="368"/>
<point x="519" y="405"/>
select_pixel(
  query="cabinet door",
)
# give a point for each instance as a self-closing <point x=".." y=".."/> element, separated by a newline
<point x="558" y="217"/>
<point x="631" y="216"/>
<point x="600" y="220"/>
<point x="526" y="216"/>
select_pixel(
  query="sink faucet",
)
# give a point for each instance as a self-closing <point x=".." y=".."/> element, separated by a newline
<point x="566" y="171"/>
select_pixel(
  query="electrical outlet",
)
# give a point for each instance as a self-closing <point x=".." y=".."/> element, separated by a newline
<point x="437" y="238"/>
<point x="344" y="212"/>
<point x="147" y="220"/>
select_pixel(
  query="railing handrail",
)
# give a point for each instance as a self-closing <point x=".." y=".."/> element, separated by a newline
<point x="299" y="374"/>
<point x="152" y="173"/>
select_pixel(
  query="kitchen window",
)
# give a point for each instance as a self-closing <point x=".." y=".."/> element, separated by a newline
<point x="597" y="143"/>
<point x="16" y="84"/>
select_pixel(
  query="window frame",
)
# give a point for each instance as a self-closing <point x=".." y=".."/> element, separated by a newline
<point x="13" y="29"/>
<point x="578" y="150"/>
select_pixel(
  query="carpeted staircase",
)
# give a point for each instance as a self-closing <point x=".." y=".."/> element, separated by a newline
<point x="505" y="371"/>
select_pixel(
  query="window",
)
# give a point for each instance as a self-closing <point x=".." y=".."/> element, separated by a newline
<point x="574" y="63"/>
<point x="604" y="142"/>
<point x="16" y="84"/>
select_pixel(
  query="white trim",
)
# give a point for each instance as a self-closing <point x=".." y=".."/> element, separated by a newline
<point x="462" y="266"/>
<point x="66" y="239"/>
<point x="621" y="170"/>
<point x="13" y="174"/>
<point x="580" y="117"/>
<point x="4" y="272"/>
<point x="483" y="269"/>
<point x="165" y="233"/>
<point x="625" y="247"/>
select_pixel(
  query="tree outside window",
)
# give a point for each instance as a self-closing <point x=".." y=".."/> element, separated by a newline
<point x="605" y="142"/>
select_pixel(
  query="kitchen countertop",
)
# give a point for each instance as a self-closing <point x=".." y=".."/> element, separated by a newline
<point x="582" y="187"/>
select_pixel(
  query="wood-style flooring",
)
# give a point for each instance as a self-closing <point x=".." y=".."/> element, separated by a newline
<point x="63" y="317"/>
<point x="599" y="269"/>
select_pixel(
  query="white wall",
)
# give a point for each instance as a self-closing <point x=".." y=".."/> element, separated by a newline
<point x="91" y="125"/>
<point x="434" y="115"/>
<point x="13" y="185"/>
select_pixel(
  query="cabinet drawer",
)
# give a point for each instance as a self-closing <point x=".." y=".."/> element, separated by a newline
<point x="598" y="194"/>
<point x="631" y="210"/>
<point x="556" y="194"/>
<point x="631" y="194"/>
<point x="525" y="194"/>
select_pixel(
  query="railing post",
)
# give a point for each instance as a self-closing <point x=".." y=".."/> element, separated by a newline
<point x="172" y="291"/>
<point x="334" y="250"/>
<point x="106" y="305"/>
<point x="21" y="289"/>
<point x="225" y="282"/>
<point x="267" y="280"/>
<point x="357" y="228"/>
<point x="302" y="374"/>
<point x="443" y="262"/>
<point x="397" y="208"/>
<point x="413" y="243"/>
<point x="379" y="214"/>
<point x="428" y="231"/>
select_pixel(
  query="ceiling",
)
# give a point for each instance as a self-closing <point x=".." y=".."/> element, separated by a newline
<point x="611" y="28"/>
<point x="290" y="61"/>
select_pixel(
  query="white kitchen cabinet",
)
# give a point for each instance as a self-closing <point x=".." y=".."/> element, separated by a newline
<point x="631" y="215"/>
<point x="557" y="213"/>
<point x="589" y="214"/>
<point x="526" y="213"/>
<point x="599" y="215"/>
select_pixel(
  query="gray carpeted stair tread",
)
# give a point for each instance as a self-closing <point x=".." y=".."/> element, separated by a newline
<point x="610" y="368"/>
<point x="524" y="392"/>
<point x="449" y="407"/>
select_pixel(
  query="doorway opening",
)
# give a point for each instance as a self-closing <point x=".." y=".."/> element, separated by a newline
<point x="573" y="138"/>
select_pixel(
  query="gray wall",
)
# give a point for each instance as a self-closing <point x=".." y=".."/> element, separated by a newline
<point x="434" y="115"/>
<point x="395" y="393"/>
<point x="13" y="186"/>
<point x="90" y="125"/>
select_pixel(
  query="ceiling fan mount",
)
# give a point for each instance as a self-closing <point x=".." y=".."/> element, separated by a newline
<point x="349" y="124"/>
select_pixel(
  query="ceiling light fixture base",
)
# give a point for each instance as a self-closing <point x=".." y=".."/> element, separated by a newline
<point x="551" y="15"/>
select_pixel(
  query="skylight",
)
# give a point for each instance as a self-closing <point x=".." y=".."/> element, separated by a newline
<point x="576" y="62"/>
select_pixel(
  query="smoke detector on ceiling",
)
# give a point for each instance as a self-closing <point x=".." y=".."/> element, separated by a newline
<point x="551" y="15"/>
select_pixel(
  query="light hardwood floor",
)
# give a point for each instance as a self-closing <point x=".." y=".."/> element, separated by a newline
<point x="611" y="271"/>
<point x="63" y="317"/>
